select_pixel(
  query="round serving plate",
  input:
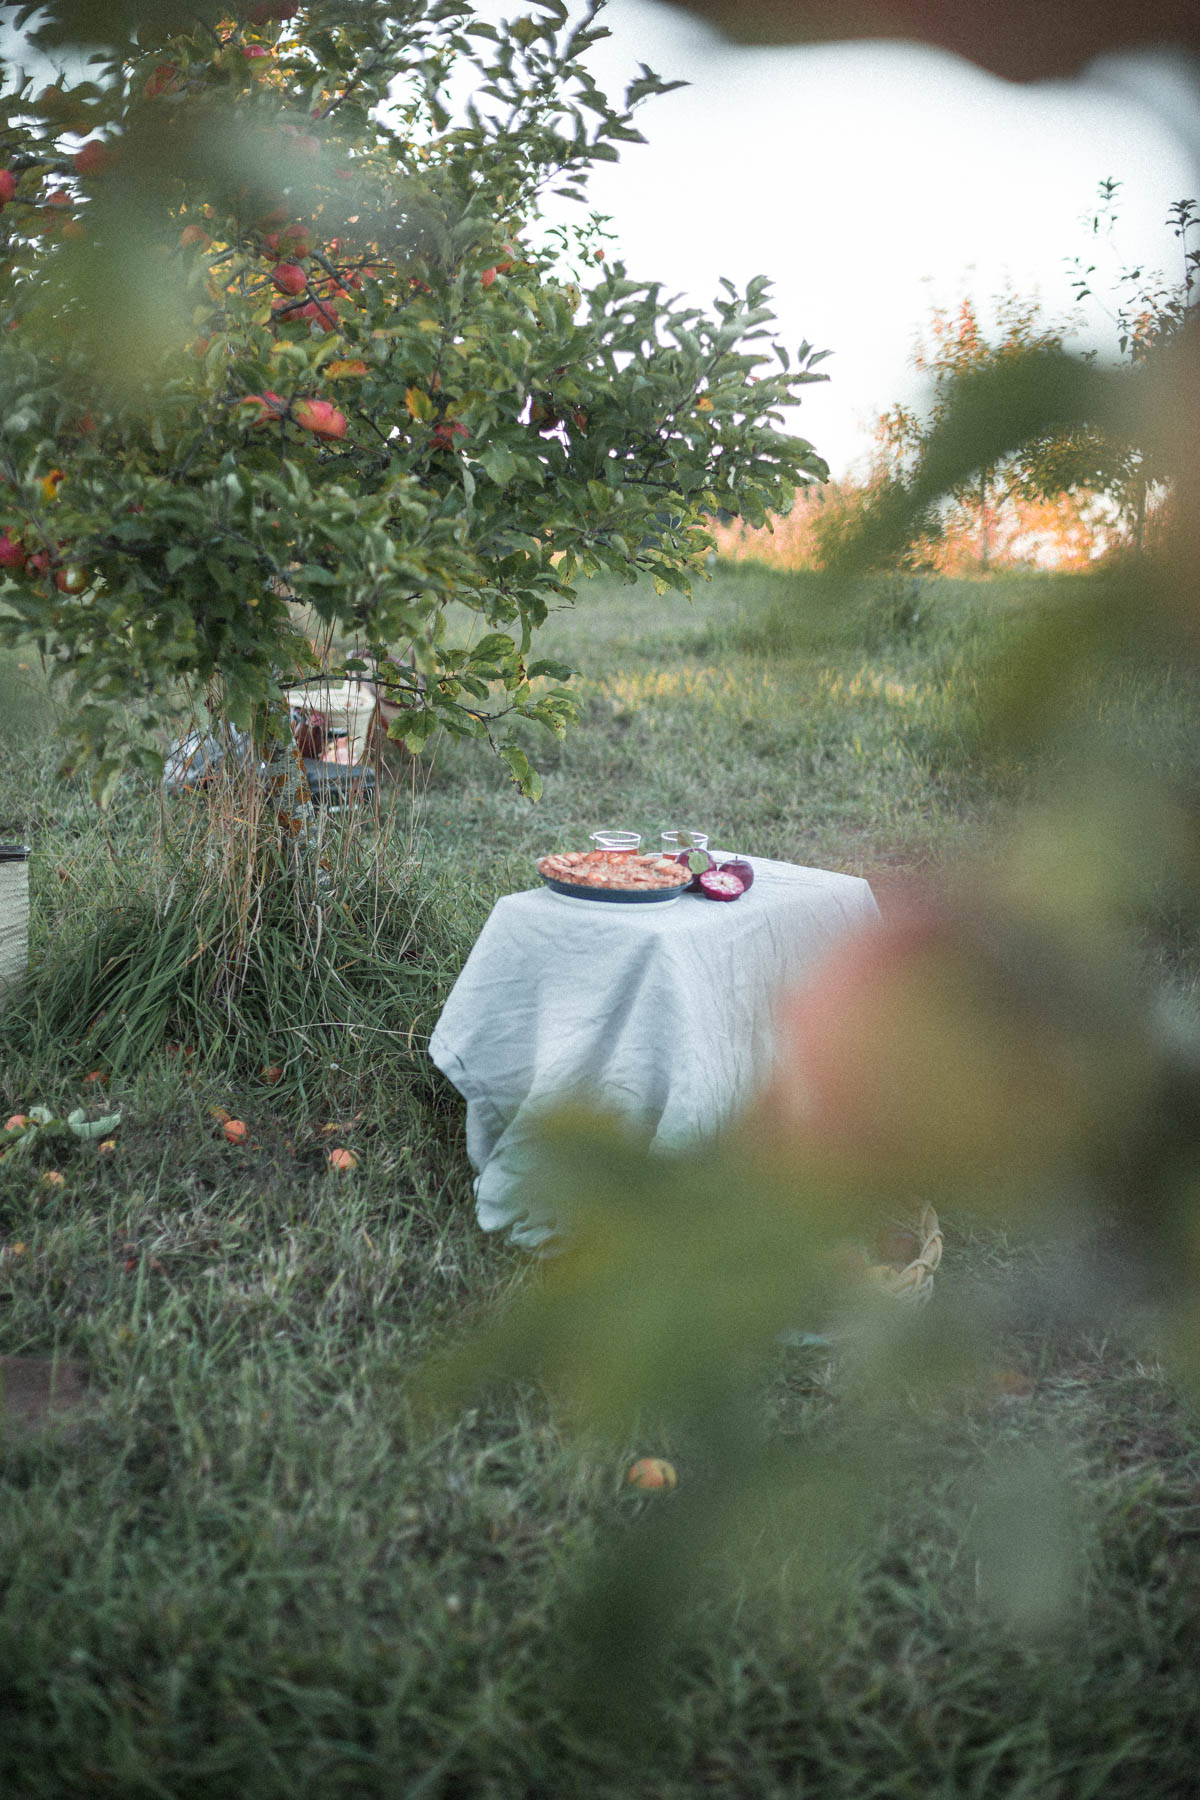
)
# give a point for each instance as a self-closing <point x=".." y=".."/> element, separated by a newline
<point x="593" y="896"/>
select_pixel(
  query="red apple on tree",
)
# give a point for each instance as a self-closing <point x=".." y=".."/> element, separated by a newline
<point x="8" y="186"/>
<point x="270" y="406"/>
<point x="92" y="158"/>
<point x="292" y="241"/>
<point x="12" y="552"/>
<point x="320" y="417"/>
<point x="289" y="278"/>
<point x="266" y="10"/>
<point x="321" y="313"/>
<point x="163" y="81"/>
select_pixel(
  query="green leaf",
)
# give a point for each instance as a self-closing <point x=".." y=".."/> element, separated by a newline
<point x="491" y="648"/>
<point x="527" y="779"/>
<point x="499" y="463"/>
<point x="83" y="1127"/>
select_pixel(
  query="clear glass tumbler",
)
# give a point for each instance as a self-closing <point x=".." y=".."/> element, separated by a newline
<point x="624" y="843"/>
<point x="675" y="841"/>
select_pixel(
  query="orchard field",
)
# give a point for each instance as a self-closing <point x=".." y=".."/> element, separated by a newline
<point x="248" y="1564"/>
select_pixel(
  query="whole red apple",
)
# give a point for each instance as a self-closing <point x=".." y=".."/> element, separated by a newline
<point x="270" y="406"/>
<point x="8" y="186"/>
<point x="320" y="417"/>
<point x="162" y="81"/>
<point x="92" y="158"/>
<point x="289" y="278"/>
<point x="321" y="313"/>
<point x="292" y="242"/>
<point x="12" y="552"/>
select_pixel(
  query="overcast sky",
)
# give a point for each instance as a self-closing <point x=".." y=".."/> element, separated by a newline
<point x="870" y="180"/>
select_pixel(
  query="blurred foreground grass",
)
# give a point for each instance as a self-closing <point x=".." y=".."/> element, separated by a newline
<point x="250" y="1569"/>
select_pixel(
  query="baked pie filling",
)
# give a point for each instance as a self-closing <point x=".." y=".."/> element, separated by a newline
<point x="614" y="869"/>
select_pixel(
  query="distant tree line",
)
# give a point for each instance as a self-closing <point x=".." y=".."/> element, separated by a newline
<point x="1069" y="497"/>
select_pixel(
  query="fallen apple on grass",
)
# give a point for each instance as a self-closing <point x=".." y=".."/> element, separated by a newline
<point x="651" y="1473"/>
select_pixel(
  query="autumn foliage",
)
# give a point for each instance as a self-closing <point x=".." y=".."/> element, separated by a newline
<point x="1066" y="500"/>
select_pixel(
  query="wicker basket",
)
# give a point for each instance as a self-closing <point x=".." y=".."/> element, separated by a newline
<point x="911" y="1280"/>
<point x="14" y="920"/>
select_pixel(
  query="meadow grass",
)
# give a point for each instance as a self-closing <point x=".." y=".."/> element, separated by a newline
<point x="250" y="1567"/>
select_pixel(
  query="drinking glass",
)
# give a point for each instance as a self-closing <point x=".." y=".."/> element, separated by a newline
<point x="675" y="841"/>
<point x="623" y="843"/>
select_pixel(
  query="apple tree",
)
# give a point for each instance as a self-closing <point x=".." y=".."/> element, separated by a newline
<point x="282" y="320"/>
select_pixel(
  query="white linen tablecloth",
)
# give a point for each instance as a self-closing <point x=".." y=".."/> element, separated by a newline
<point x="662" y="1012"/>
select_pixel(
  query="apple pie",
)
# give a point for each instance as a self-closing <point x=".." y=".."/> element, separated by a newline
<point x="614" y="870"/>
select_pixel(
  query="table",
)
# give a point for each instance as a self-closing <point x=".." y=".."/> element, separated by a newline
<point x="662" y="1012"/>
